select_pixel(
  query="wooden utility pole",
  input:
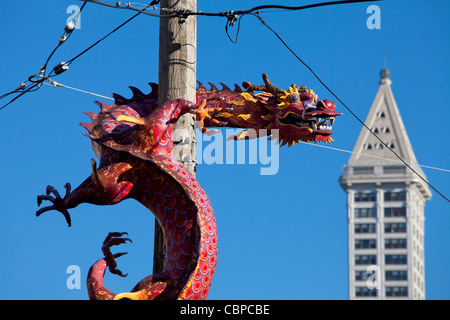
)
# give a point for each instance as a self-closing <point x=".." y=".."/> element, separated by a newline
<point x="177" y="80"/>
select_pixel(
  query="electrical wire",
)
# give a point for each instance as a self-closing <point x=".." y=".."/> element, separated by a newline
<point x="55" y="84"/>
<point x="103" y="38"/>
<point x="37" y="79"/>
<point x="118" y="5"/>
<point x="183" y="13"/>
<point x="30" y="88"/>
<point x="371" y="156"/>
<point x="66" y="35"/>
<point x="345" y="105"/>
<point x="295" y="8"/>
<point x="232" y="16"/>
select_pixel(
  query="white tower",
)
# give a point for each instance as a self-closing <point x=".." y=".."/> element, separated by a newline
<point x="385" y="205"/>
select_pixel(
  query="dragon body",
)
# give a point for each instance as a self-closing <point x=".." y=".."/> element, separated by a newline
<point x="133" y="141"/>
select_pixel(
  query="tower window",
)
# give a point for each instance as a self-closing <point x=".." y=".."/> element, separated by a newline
<point x="363" y="170"/>
<point x="396" y="275"/>
<point x="395" y="243"/>
<point x="365" y="196"/>
<point x="396" y="291"/>
<point x="365" y="212"/>
<point x="365" y="292"/>
<point x="395" y="195"/>
<point x="366" y="244"/>
<point x="365" y="228"/>
<point x="395" y="259"/>
<point x="362" y="275"/>
<point x="366" y="259"/>
<point x="381" y="114"/>
<point x="395" y="212"/>
<point x="394" y="169"/>
<point x="394" y="227"/>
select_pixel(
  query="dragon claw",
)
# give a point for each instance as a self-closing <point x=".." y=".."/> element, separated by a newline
<point x="58" y="202"/>
<point x="44" y="197"/>
<point x="68" y="188"/>
<point x="51" y="189"/>
<point x="113" y="239"/>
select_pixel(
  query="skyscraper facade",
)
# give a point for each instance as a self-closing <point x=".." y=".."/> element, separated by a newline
<point x="385" y="207"/>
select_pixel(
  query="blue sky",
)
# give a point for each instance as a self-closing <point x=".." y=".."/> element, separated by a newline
<point x="281" y="236"/>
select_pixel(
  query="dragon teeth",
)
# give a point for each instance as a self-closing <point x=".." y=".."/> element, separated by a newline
<point x="302" y="124"/>
<point x="315" y="123"/>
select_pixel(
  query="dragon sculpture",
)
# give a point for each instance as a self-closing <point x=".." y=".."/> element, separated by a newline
<point x="132" y="138"/>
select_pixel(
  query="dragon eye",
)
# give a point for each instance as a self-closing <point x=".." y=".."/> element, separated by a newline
<point x="316" y="98"/>
<point x="294" y="98"/>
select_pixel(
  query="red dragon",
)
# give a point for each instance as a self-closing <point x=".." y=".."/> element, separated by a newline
<point x="133" y="140"/>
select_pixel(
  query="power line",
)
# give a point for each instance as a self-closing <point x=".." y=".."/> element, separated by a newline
<point x="106" y="36"/>
<point x="185" y="13"/>
<point x="127" y="5"/>
<point x="67" y="33"/>
<point x="35" y="81"/>
<point x="232" y="17"/>
<point x="55" y="84"/>
<point x="30" y="88"/>
<point x="371" y="156"/>
<point x="40" y="78"/>
<point x="357" y="118"/>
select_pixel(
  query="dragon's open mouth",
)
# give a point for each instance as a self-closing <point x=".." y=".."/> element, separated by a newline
<point x="319" y="123"/>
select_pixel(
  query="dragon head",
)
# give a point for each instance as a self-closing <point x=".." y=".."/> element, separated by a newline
<point x="297" y="113"/>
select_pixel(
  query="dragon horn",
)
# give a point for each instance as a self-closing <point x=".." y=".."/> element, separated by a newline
<point x="268" y="86"/>
<point x="251" y="87"/>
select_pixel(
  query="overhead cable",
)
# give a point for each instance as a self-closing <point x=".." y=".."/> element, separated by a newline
<point x="345" y="105"/>
<point x="34" y="82"/>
